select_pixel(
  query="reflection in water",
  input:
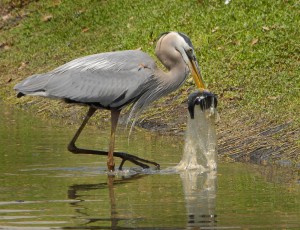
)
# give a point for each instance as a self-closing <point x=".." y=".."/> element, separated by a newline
<point x="112" y="199"/>
<point x="200" y="197"/>
<point x="199" y="193"/>
<point x="110" y="186"/>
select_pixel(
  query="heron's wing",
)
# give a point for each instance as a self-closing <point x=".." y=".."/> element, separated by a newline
<point x="111" y="61"/>
<point x="110" y="79"/>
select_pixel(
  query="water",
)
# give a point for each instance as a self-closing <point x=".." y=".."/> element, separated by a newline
<point x="42" y="186"/>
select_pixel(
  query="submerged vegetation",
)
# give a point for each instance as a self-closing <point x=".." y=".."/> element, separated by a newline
<point x="248" y="51"/>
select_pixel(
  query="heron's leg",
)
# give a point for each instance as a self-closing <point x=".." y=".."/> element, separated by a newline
<point x="72" y="147"/>
<point x="124" y="156"/>
<point x="110" y="157"/>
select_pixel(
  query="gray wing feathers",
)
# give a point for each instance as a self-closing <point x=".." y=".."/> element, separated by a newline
<point x="88" y="87"/>
<point x="101" y="78"/>
<point x="112" y="61"/>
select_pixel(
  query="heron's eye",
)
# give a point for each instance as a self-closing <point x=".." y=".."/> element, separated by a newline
<point x="190" y="52"/>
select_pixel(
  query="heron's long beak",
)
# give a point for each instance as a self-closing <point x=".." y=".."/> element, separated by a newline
<point x="195" y="71"/>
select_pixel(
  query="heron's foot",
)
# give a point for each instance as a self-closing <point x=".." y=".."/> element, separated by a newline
<point x="110" y="167"/>
<point x="124" y="156"/>
<point x="135" y="160"/>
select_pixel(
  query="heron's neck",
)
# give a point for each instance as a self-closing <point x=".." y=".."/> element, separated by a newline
<point x="175" y="76"/>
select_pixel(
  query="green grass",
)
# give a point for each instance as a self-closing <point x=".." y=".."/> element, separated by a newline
<point x="248" y="50"/>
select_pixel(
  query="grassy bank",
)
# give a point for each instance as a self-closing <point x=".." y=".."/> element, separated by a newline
<point x="248" y="51"/>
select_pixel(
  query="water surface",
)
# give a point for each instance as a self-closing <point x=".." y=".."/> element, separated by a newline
<point x="43" y="186"/>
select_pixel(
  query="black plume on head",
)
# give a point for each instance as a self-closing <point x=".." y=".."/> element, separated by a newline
<point x="186" y="38"/>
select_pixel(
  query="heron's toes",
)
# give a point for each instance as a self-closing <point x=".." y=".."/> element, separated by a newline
<point x="157" y="166"/>
<point x="135" y="160"/>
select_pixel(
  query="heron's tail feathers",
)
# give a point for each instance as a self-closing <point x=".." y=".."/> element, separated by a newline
<point x="34" y="85"/>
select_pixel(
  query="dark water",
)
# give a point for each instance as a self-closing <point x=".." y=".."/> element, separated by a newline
<point x="42" y="186"/>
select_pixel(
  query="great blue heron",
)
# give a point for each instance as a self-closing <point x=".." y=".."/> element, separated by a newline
<point x="115" y="80"/>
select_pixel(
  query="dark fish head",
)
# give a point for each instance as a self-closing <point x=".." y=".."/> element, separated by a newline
<point x="204" y="99"/>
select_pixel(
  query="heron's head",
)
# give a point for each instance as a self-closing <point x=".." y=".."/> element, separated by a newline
<point x="172" y="47"/>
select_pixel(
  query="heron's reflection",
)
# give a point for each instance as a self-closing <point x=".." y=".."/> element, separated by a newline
<point x="112" y="181"/>
<point x="199" y="194"/>
<point x="200" y="197"/>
